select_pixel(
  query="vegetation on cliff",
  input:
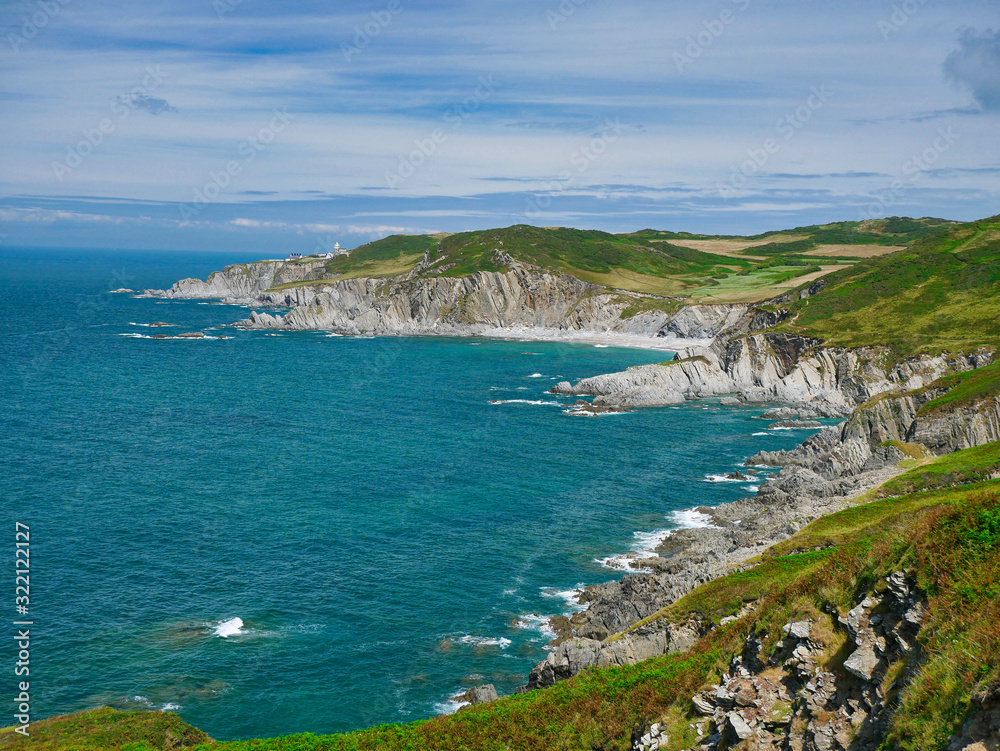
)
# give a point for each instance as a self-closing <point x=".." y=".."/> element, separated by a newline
<point x="695" y="267"/>
<point x="940" y="294"/>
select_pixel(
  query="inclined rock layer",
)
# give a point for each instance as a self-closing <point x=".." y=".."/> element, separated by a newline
<point x="521" y="299"/>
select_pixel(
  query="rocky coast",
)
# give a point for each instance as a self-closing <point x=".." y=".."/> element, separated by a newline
<point x="731" y="352"/>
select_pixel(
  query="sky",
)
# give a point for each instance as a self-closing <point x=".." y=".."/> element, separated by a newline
<point x="285" y="127"/>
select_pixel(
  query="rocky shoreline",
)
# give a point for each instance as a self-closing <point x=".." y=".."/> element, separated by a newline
<point x="722" y="351"/>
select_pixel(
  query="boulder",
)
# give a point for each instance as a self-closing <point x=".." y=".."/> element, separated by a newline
<point x="478" y="695"/>
<point x="736" y="728"/>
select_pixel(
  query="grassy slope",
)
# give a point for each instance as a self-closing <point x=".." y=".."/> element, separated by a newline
<point x="647" y="262"/>
<point x="943" y="293"/>
<point x="965" y="389"/>
<point x="948" y="537"/>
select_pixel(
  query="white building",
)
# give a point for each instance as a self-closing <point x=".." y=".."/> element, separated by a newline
<point x="337" y="251"/>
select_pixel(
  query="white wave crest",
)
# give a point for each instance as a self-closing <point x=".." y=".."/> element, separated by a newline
<point x="725" y="478"/>
<point x="526" y="401"/>
<point x="449" y="707"/>
<point x="485" y="641"/>
<point x="232" y="627"/>
<point x="692" y="519"/>
<point x="571" y="597"/>
<point x="535" y="622"/>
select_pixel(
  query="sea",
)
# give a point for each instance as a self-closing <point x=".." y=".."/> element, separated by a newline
<point x="271" y="533"/>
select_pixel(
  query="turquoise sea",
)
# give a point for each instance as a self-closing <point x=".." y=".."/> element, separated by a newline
<point x="387" y="534"/>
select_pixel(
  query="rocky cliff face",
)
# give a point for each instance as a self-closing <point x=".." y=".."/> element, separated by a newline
<point x="793" y="697"/>
<point x="770" y="367"/>
<point x="818" y="477"/>
<point x="519" y="300"/>
<point x="515" y="300"/>
<point x="243" y="282"/>
<point x="858" y="445"/>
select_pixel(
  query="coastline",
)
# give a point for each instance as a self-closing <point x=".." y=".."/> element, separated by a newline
<point x="725" y="352"/>
<point x="605" y="339"/>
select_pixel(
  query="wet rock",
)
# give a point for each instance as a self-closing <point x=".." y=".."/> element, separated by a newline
<point x="478" y="695"/>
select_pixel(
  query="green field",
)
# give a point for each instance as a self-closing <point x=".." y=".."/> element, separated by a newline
<point x="647" y="262"/>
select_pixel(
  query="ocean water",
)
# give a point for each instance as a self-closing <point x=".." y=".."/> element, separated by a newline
<point x="300" y="532"/>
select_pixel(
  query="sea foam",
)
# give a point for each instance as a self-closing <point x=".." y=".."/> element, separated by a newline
<point x="232" y="627"/>
<point x="485" y="641"/>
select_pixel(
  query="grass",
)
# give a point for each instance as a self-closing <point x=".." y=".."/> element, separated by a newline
<point x="757" y="285"/>
<point x="941" y="294"/>
<point x="961" y="468"/>
<point x="948" y="538"/>
<point x="698" y="268"/>
<point x="965" y="389"/>
<point x="108" y="729"/>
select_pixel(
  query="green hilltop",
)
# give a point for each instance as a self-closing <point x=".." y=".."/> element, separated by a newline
<point x="941" y="293"/>
<point x="699" y="268"/>
<point x="915" y="285"/>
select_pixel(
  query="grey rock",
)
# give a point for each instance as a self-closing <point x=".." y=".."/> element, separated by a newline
<point x="704" y="705"/>
<point x="863" y="663"/>
<point x="795" y="425"/>
<point x="798" y="630"/>
<point x="736" y="728"/>
<point x="478" y="695"/>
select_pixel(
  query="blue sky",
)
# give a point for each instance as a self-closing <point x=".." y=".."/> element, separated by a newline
<point x="255" y="124"/>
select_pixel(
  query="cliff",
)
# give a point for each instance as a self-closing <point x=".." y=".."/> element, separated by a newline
<point x="772" y="367"/>
<point x="523" y="300"/>
<point x="243" y="282"/>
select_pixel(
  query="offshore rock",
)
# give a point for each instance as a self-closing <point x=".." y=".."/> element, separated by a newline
<point x="478" y="695"/>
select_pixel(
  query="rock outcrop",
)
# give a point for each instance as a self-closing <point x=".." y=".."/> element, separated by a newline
<point x="570" y="657"/>
<point x="477" y="695"/>
<point x="242" y="282"/>
<point x="794" y="698"/>
<point x="771" y="367"/>
<point x="521" y="300"/>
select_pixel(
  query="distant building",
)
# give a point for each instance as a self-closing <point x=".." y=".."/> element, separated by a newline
<point x="337" y="251"/>
<point x="294" y="257"/>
